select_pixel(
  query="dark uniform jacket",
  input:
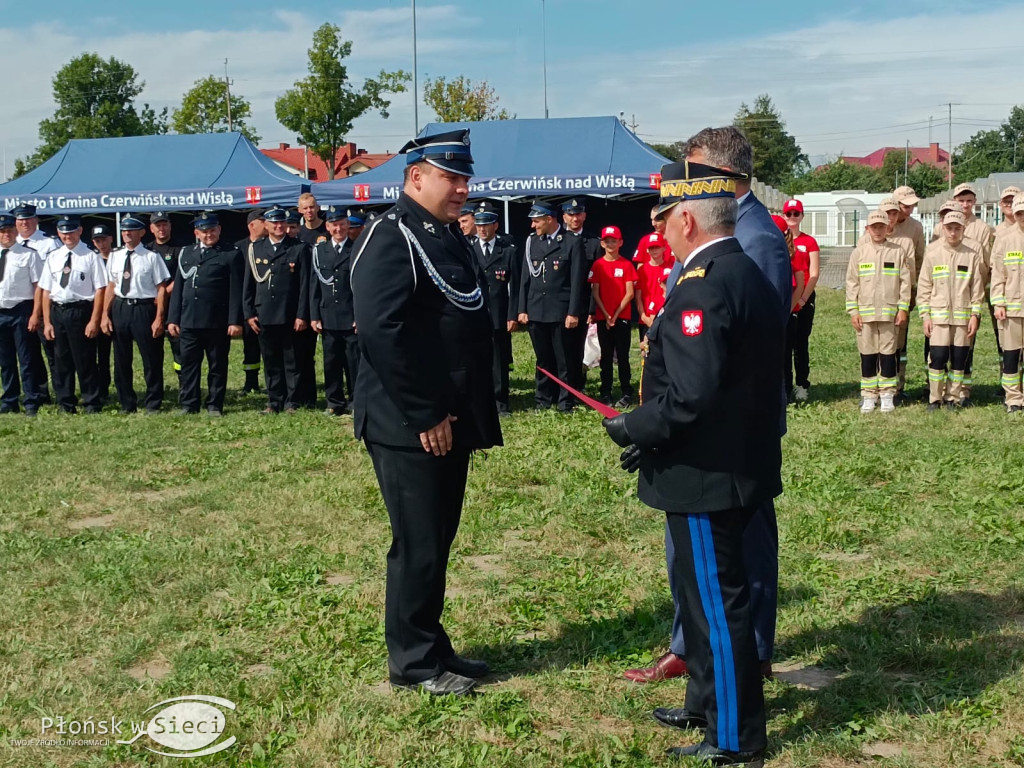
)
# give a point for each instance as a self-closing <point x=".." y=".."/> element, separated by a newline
<point x="501" y="271"/>
<point x="211" y="296"/>
<point x="330" y="292"/>
<point x="591" y="245"/>
<point x="284" y="295"/>
<point x="560" y="289"/>
<point x="422" y="357"/>
<point x="169" y="252"/>
<point x="709" y="422"/>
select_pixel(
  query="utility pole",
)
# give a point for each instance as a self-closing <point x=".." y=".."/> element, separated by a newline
<point x="929" y="130"/>
<point x="227" y="94"/>
<point x="949" y="184"/>
<point x="906" y="162"/>
<point x="415" y="87"/>
<point x="544" y="43"/>
<point x="633" y="125"/>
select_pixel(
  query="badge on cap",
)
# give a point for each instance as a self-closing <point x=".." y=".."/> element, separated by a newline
<point x="693" y="322"/>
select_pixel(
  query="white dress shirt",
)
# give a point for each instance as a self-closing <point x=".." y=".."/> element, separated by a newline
<point x="146" y="272"/>
<point x="40" y="243"/>
<point x="87" y="274"/>
<point x="21" y="273"/>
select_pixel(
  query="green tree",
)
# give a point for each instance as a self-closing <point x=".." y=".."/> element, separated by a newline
<point x="837" y="174"/>
<point x="777" y="156"/>
<point x="204" y="110"/>
<point x="460" y="100"/>
<point x="992" y="151"/>
<point x="321" y="107"/>
<point x="95" y="99"/>
<point x="673" y="151"/>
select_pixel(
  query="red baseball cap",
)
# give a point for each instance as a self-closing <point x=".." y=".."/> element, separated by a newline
<point x="656" y="240"/>
<point x="780" y="223"/>
<point x="793" y="205"/>
<point x="611" y="232"/>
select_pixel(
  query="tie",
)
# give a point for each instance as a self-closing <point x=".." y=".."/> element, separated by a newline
<point x="487" y="250"/>
<point x="126" y="274"/>
<point x="65" y="275"/>
<point x="337" y="248"/>
<point x="3" y="263"/>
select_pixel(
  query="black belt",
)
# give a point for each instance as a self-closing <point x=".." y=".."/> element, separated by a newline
<point x="135" y="302"/>
<point x="21" y="306"/>
<point x="73" y="305"/>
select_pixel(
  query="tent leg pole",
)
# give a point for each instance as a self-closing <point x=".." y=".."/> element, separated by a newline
<point x="506" y="217"/>
<point x="117" y="226"/>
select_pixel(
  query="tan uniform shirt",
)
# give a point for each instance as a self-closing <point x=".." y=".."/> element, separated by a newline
<point x="878" y="280"/>
<point x="950" y="288"/>
<point x="913" y="230"/>
<point x="1008" y="272"/>
<point x="981" y="233"/>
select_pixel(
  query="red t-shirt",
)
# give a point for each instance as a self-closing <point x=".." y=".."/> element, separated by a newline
<point x="804" y="246"/>
<point x="799" y="262"/>
<point x="651" y="285"/>
<point x="641" y="255"/>
<point x="611" y="278"/>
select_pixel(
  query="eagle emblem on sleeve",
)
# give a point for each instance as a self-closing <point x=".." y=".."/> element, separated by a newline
<point x="693" y="322"/>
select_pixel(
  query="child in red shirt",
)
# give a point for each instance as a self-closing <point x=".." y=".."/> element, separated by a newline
<point x="613" y="281"/>
<point x="651" y="276"/>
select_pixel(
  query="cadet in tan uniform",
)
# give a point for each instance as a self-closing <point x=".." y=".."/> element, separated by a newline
<point x="1006" y="206"/>
<point x="946" y="207"/>
<point x="906" y="226"/>
<point x="978" y="232"/>
<point x="949" y="296"/>
<point x="1008" y="302"/>
<point x="878" y="281"/>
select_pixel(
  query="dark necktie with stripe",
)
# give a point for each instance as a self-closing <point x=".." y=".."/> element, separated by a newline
<point x="65" y="275"/>
<point x="126" y="274"/>
<point x="3" y="263"/>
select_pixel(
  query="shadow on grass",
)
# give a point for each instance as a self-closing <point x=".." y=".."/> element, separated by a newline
<point x="926" y="655"/>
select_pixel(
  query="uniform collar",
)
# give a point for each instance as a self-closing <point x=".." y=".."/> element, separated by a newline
<point x="700" y="248"/>
<point x="420" y="216"/>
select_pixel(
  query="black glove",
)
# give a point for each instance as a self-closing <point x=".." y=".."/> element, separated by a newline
<point x="630" y="458"/>
<point x="616" y="428"/>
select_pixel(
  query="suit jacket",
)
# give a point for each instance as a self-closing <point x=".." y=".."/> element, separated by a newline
<point x="283" y="296"/>
<point x="211" y="296"/>
<point x="761" y="240"/>
<point x="501" y="271"/>
<point x="560" y="288"/>
<point x="591" y="246"/>
<point x="709" y="423"/>
<point x="422" y="357"/>
<point x="330" y="291"/>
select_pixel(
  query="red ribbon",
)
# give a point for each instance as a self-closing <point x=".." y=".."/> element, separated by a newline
<point x="605" y="410"/>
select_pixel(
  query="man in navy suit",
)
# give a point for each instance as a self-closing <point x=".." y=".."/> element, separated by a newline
<point x="761" y="240"/>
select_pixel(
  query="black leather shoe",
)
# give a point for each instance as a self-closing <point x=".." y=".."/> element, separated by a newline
<point x="466" y="667"/>
<point x="447" y="683"/>
<point x="715" y="756"/>
<point x="93" y="409"/>
<point x="679" y="718"/>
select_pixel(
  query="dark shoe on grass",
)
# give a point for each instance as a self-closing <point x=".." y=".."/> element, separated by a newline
<point x="466" y="667"/>
<point x="710" y="755"/>
<point x="680" y="718"/>
<point x="444" y="684"/>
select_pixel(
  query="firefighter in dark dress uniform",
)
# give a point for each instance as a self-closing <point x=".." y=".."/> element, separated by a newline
<point x="250" y="341"/>
<point x="205" y="313"/>
<point x="330" y="309"/>
<point x="553" y="302"/>
<point x="706" y="442"/>
<point x="275" y="301"/>
<point x="500" y="263"/>
<point x="424" y="397"/>
<point x="164" y="244"/>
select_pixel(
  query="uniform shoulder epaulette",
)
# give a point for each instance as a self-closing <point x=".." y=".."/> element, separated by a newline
<point x="697" y="272"/>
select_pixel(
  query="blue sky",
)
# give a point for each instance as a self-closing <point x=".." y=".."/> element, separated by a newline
<point x="846" y="79"/>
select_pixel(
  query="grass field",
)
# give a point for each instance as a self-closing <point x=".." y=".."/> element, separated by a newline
<point x="151" y="557"/>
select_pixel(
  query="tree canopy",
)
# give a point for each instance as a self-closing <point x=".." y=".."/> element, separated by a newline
<point x="204" y="109"/>
<point x="999" y="150"/>
<point x="322" y="107"/>
<point x="460" y="100"/>
<point x="95" y="99"/>
<point x="777" y="156"/>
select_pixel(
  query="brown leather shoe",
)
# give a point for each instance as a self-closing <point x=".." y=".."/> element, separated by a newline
<point x="665" y="668"/>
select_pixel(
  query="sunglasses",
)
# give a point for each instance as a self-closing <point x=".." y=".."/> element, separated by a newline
<point x="793" y="214"/>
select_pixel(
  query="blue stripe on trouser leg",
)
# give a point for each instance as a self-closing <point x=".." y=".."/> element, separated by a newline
<point x="726" y="693"/>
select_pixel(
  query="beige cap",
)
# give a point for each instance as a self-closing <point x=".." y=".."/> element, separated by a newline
<point x="906" y="196"/>
<point x="960" y="189"/>
<point x="949" y="205"/>
<point x="954" y="217"/>
<point x="889" y="204"/>
<point x="1009" y="192"/>
<point x="1018" y="202"/>
<point x="877" y="217"/>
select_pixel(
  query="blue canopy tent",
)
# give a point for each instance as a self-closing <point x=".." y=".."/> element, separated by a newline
<point x="154" y="173"/>
<point x="559" y="157"/>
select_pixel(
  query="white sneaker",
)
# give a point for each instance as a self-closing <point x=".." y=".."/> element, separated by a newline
<point x="887" y="404"/>
<point x="867" y="405"/>
<point x="800" y="394"/>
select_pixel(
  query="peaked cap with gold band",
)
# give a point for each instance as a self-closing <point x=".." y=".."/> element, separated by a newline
<point x="694" y="181"/>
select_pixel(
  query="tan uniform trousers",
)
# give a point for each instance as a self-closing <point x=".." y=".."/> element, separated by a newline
<point x="1011" y="338"/>
<point x="949" y="348"/>
<point x="874" y="340"/>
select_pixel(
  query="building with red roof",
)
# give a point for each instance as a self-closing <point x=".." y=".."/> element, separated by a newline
<point x="348" y="161"/>
<point x="930" y="155"/>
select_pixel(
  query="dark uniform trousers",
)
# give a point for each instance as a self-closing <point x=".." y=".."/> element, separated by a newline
<point x="74" y="352"/>
<point x="555" y="347"/>
<point x="501" y="362"/>
<point x="280" y="366"/>
<point x="614" y="343"/>
<point x="133" y="321"/>
<point x="798" y="337"/>
<point x="341" y="353"/>
<point x="304" y="346"/>
<point x="250" y="357"/>
<point x="215" y="344"/>
<point x="423" y="494"/>
<point x="43" y="357"/>
<point x="725" y="678"/>
<point x="104" y="346"/>
<point x="16" y="354"/>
